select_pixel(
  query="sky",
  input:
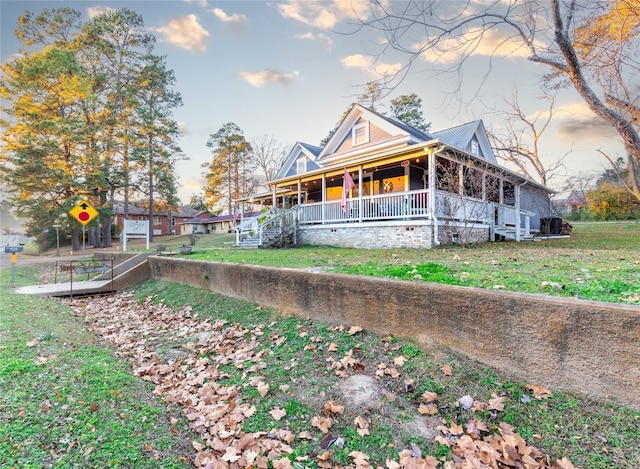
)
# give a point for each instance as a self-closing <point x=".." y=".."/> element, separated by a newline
<point x="289" y="69"/>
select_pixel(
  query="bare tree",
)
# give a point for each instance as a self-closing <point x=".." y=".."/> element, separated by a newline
<point x="517" y="143"/>
<point x="590" y="45"/>
<point x="268" y="155"/>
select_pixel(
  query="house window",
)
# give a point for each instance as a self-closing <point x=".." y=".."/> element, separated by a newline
<point x="157" y="221"/>
<point x="360" y="134"/>
<point x="301" y="165"/>
<point x="474" y="147"/>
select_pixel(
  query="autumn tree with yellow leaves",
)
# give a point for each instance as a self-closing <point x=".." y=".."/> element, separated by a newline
<point x="73" y="104"/>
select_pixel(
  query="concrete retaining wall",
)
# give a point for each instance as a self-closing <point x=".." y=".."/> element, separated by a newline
<point x="587" y="347"/>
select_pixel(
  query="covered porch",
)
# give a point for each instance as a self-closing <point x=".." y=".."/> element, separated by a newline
<point x="434" y="186"/>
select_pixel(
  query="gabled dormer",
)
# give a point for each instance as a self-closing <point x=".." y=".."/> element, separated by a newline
<point x="301" y="159"/>
<point x="364" y="131"/>
<point x="471" y="138"/>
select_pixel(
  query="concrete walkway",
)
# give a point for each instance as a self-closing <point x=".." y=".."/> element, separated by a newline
<point x="90" y="287"/>
<point x="123" y="275"/>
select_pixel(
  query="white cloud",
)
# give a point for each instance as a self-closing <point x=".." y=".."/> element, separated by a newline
<point x="323" y="14"/>
<point x="264" y="77"/>
<point x="236" y="21"/>
<point x="321" y="38"/>
<point x="185" y="32"/>
<point x="368" y="64"/>
<point x="202" y="3"/>
<point x="476" y="41"/>
<point x="92" y="12"/>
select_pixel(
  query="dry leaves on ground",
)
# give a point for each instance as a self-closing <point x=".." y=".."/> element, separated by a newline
<point x="216" y="412"/>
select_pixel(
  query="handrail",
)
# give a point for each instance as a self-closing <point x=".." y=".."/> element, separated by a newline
<point x="256" y="226"/>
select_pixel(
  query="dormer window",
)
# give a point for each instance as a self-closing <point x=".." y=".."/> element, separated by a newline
<point x="360" y="134"/>
<point x="474" y="147"/>
<point x="301" y="165"/>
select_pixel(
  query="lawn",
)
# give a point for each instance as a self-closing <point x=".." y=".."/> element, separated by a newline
<point x="601" y="261"/>
<point x="70" y="397"/>
<point x="74" y="374"/>
<point x="68" y="400"/>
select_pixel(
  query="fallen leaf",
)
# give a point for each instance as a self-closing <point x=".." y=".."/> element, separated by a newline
<point x="263" y="388"/>
<point x="277" y="413"/>
<point x="539" y="392"/>
<point x="400" y="361"/>
<point x="360" y="459"/>
<point x="332" y="408"/>
<point x="428" y="409"/>
<point x="391" y="464"/>
<point x="283" y="463"/>
<point x="456" y="429"/>
<point x="198" y="446"/>
<point x="354" y="330"/>
<point x="362" y="425"/>
<point x="231" y="454"/>
<point x="563" y="463"/>
<point x="446" y="369"/>
<point x="321" y="423"/>
<point x="429" y="396"/>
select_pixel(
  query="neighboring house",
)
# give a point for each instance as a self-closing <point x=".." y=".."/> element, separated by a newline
<point x="575" y="201"/>
<point x="381" y="183"/>
<point x="205" y="223"/>
<point x="164" y="222"/>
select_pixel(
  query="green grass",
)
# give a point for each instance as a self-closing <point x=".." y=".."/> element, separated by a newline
<point x="601" y="261"/>
<point x="591" y="434"/>
<point x="67" y="401"/>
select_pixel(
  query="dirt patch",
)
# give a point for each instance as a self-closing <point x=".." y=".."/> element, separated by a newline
<point x="363" y="391"/>
<point x="359" y="390"/>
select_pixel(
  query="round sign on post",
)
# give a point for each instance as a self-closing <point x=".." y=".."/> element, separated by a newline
<point x="83" y="212"/>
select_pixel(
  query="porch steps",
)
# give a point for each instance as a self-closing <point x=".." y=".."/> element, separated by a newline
<point x="509" y="232"/>
<point x="269" y="236"/>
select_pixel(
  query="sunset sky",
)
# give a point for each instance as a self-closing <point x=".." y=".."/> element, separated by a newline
<point x="290" y="68"/>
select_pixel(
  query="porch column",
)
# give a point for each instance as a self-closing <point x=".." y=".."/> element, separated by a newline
<point x="274" y="198"/>
<point x="460" y="178"/>
<point x="360" y="205"/>
<point x="324" y="195"/>
<point x="484" y="187"/>
<point x="516" y="189"/>
<point x="432" y="195"/>
<point x="299" y="191"/>
<point x="432" y="185"/>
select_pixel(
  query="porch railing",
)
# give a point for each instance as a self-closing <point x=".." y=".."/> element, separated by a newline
<point x="396" y="206"/>
<point x="399" y="205"/>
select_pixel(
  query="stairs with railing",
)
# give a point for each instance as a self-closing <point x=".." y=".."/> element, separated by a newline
<point x="275" y="227"/>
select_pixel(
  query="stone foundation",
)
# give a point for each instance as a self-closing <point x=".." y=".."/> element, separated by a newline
<point x="417" y="234"/>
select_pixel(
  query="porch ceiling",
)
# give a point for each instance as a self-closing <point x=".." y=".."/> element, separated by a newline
<point x="370" y="162"/>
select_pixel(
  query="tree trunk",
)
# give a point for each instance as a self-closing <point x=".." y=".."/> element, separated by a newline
<point x="75" y="239"/>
